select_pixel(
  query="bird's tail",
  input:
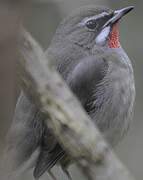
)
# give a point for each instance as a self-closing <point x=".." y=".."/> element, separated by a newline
<point x="47" y="160"/>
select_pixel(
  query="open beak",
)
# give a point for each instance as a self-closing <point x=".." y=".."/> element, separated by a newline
<point x="117" y="15"/>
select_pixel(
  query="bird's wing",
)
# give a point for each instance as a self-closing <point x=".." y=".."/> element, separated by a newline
<point x="90" y="71"/>
<point x="86" y="76"/>
<point x="25" y="135"/>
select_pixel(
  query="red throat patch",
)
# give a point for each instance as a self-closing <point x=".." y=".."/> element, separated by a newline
<point x="114" y="37"/>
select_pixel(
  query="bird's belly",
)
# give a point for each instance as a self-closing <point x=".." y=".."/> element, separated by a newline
<point x="113" y="109"/>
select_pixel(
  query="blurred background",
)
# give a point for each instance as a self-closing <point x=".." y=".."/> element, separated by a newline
<point x="41" y="18"/>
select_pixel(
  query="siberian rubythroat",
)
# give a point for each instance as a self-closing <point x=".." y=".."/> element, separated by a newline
<point x="87" y="53"/>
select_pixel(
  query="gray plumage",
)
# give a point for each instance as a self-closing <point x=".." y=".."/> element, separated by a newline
<point x="101" y="77"/>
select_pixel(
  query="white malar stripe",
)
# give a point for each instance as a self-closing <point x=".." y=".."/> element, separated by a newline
<point x="102" y="37"/>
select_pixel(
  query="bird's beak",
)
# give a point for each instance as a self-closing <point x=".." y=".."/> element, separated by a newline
<point x="117" y="15"/>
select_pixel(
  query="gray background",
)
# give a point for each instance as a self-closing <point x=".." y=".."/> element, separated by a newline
<point x="42" y="18"/>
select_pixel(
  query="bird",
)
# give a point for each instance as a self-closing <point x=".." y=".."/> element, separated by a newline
<point x="87" y="53"/>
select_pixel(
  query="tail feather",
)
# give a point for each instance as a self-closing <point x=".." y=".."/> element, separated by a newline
<point x="47" y="160"/>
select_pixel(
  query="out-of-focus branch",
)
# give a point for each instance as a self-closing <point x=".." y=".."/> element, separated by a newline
<point x="67" y="119"/>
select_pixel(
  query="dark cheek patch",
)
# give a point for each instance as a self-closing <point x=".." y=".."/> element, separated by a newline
<point x="114" y="37"/>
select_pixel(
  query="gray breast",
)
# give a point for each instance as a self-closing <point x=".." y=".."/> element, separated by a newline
<point x="112" y="102"/>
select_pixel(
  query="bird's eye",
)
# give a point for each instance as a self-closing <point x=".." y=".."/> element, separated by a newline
<point x="91" y="24"/>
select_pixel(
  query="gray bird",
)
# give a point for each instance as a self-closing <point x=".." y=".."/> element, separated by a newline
<point x="87" y="53"/>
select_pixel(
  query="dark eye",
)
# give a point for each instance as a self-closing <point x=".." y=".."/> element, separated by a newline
<point x="91" y="24"/>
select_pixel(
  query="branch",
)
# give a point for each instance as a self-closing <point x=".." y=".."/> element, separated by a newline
<point x="65" y="115"/>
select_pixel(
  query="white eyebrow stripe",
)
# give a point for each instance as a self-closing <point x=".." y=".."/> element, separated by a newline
<point x="85" y="20"/>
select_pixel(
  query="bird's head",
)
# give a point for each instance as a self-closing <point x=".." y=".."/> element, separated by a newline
<point x="92" y="26"/>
